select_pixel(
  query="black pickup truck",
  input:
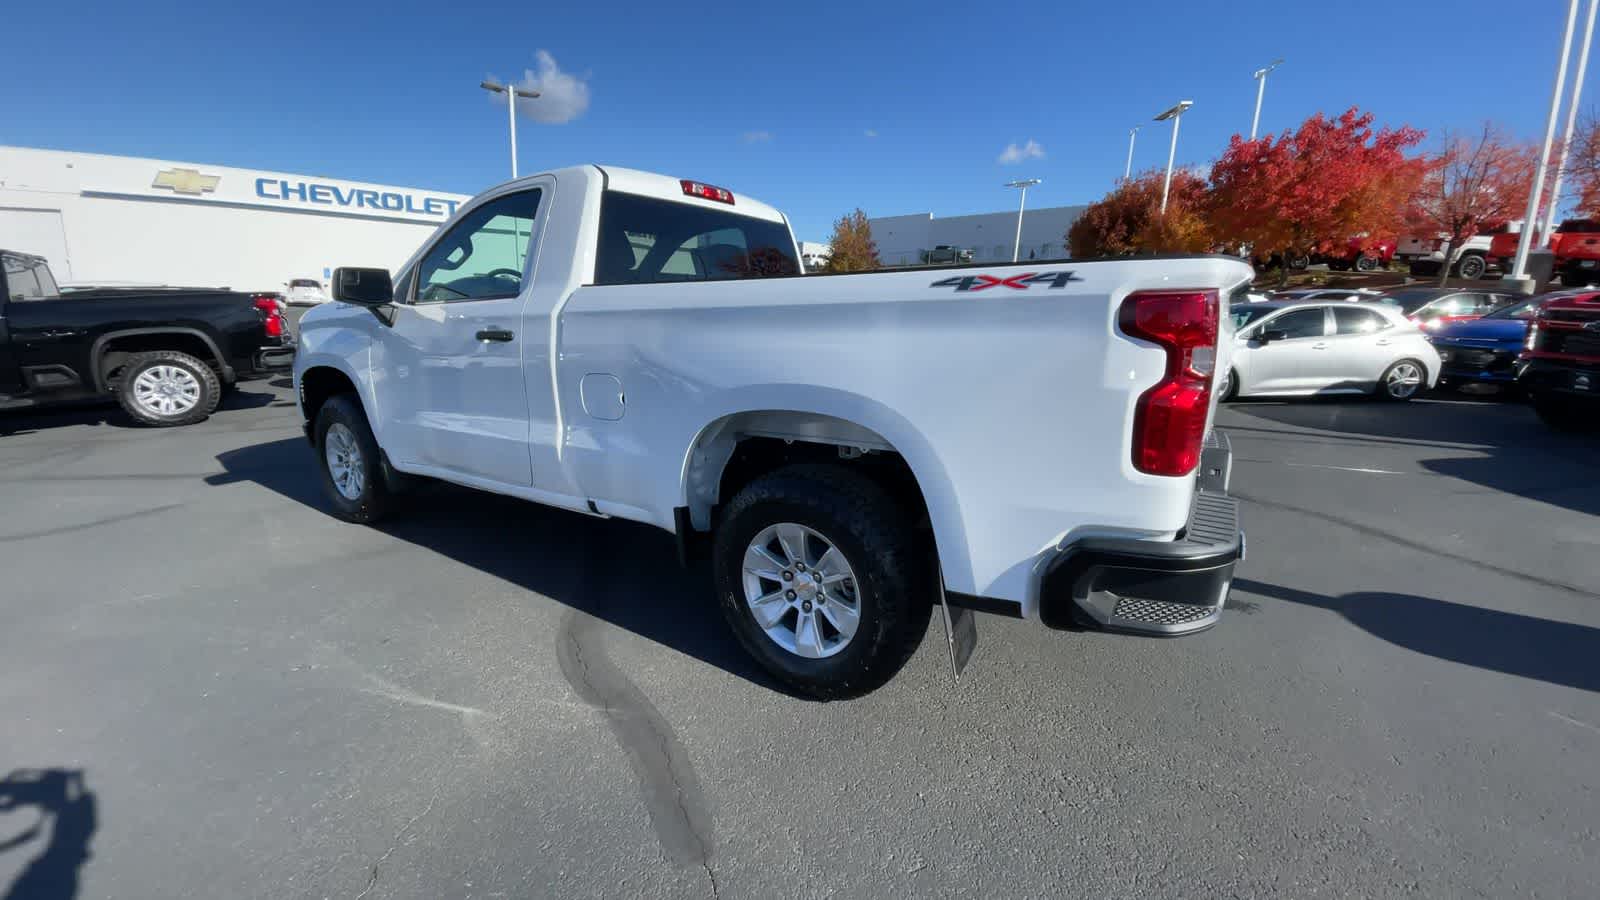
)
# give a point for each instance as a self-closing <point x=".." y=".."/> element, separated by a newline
<point x="165" y="354"/>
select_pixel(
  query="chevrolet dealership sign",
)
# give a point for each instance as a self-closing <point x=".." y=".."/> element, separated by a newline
<point x="330" y="194"/>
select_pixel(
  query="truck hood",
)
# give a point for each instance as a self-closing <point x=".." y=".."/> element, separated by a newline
<point x="1485" y="330"/>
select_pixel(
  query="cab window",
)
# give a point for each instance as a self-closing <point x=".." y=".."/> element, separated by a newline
<point x="484" y="255"/>
<point x="645" y="240"/>
<point x="28" y="278"/>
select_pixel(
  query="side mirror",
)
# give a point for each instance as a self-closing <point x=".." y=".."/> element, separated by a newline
<point x="1267" y="337"/>
<point x="363" y="287"/>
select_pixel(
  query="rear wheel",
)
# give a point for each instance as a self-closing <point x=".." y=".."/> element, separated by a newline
<point x="1403" y="380"/>
<point x="1574" y="278"/>
<point x="1472" y="266"/>
<point x="163" y="388"/>
<point x="1297" y="261"/>
<point x="352" y="467"/>
<point x="819" y="575"/>
<point x="1366" y="263"/>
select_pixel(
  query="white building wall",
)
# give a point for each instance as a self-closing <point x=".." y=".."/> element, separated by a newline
<point x="901" y="239"/>
<point x="108" y="219"/>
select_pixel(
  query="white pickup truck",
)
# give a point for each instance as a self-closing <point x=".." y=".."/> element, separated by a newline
<point x="851" y="450"/>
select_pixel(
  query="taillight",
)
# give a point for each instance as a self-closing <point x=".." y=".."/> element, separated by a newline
<point x="1169" y="422"/>
<point x="273" y="320"/>
<point x="709" y="192"/>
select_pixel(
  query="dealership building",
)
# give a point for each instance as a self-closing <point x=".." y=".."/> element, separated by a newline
<point x="902" y="240"/>
<point x="122" y="220"/>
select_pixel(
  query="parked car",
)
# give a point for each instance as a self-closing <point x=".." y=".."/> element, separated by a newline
<point x="625" y="356"/>
<point x="944" y="254"/>
<point x="1576" y="245"/>
<point x="1309" y="294"/>
<point x="1424" y="255"/>
<point x="306" y="292"/>
<point x="1432" y="308"/>
<point x="1484" y="350"/>
<point x="1560" y="370"/>
<point x="1300" y="349"/>
<point x="164" y="354"/>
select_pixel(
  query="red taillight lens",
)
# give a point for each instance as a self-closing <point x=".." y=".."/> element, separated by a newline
<point x="1169" y="422"/>
<point x="709" y="192"/>
<point x="273" y="320"/>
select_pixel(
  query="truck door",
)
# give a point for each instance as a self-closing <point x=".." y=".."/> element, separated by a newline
<point x="453" y="392"/>
<point x="38" y="333"/>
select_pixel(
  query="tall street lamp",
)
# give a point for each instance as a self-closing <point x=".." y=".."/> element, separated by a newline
<point x="512" y="92"/>
<point x="1572" y="122"/>
<point x="1024" y="184"/>
<point x="1525" y="240"/>
<point x="1261" y="89"/>
<point x="1175" y="114"/>
<point x="1127" y="170"/>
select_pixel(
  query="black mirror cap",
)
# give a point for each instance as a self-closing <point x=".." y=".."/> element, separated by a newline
<point x="363" y="287"/>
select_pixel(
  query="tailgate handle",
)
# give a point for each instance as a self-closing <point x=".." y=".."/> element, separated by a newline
<point x="495" y="334"/>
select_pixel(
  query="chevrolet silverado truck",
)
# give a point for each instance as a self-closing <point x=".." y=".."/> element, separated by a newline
<point x="165" y="354"/>
<point x="1560" y="369"/>
<point x="851" y="451"/>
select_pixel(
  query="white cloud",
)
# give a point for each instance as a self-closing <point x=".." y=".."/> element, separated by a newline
<point x="1014" y="154"/>
<point x="756" y="137"/>
<point x="872" y="132"/>
<point x="562" y="95"/>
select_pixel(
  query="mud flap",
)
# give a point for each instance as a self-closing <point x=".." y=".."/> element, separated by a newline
<point x="960" y="633"/>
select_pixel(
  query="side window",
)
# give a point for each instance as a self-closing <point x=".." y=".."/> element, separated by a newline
<point x="1453" y="305"/>
<point x="483" y="256"/>
<point x="1355" y="320"/>
<point x="649" y="240"/>
<point x="28" y="279"/>
<point x="1300" y="323"/>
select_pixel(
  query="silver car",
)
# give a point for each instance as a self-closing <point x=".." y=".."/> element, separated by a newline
<point x="1300" y="349"/>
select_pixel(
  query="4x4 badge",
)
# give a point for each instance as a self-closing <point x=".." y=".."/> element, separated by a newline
<point x="1022" y="282"/>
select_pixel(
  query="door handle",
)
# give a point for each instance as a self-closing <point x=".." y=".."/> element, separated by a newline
<point x="1319" y="346"/>
<point x="1383" y="342"/>
<point x="495" y="334"/>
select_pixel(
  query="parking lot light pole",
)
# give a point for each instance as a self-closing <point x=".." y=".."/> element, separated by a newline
<point x="1175" y="114"/>
<point x="1519" y="265"/>
<point x="1127" y="170"/>
<point x="512" y="93"/>
<point x="1572" y="123"/>
<point x="1024" y="183"/>
<point x="1261" y="90"/>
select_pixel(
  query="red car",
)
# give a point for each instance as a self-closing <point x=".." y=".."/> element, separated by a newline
<point x="1431" y="308"/>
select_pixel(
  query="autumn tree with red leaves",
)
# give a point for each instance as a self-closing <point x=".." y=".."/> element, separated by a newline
<point x="1583" y="166"/>
<point x="1313" y="189"/>
<point x="1128" y="220"/>
<point x="1476" y="183"/>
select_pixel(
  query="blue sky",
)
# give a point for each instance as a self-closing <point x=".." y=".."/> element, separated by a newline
<point x="816" y="107"/>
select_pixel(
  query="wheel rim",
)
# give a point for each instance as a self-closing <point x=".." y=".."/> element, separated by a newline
<point x="1366" y="263"/>
<point x="343" y="455"/>
<point x="1403" y="381"/>
<point x="166" y="390"/>
<point x="1472" y="267"/>
<point x="801" y="590"/>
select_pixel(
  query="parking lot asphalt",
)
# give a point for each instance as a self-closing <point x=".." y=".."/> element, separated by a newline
<point x="490" y="699"/>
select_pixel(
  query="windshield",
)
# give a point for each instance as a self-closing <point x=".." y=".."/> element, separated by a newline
<point x="1527" y="309"/>
<point x="1243" y="316"/>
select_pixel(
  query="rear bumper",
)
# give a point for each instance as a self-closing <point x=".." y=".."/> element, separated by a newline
<point x="1163" y="588"/>
<point x="1555" y="377"/>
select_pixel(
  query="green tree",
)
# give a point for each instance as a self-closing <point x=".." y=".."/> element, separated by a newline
<point x="851" y="248"/>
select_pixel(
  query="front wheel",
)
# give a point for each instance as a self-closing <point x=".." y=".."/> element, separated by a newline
<point x="1297" y="262"/>
<point x="1365" y="263"/>
<point x="819" y="576"/>
<point x="1402" y="381"/>
<point x="1229" y="386"/>
<point x="352" y="468"/>
<point x="1472" y="266"/>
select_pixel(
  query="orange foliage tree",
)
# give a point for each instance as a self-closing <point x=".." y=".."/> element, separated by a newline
<point x="1313" y="189"/>
<point x="1128" y="220"/>
<point x="1475" y="183"/>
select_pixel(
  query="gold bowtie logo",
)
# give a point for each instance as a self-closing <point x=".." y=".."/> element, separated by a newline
<point x="186" y="181"/>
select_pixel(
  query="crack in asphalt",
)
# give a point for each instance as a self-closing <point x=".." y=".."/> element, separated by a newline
<point x="672" y="795"/>
<point x="372" y="879"/>
<point x="68" y="529"/>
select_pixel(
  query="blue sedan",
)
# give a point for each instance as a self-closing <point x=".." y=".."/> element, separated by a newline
<point x="1485" y="349"/>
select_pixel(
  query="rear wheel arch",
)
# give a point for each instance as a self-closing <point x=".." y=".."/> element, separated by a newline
<point x="112" y="350"/>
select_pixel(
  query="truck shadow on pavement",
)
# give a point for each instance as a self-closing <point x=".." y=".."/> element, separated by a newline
<point x="1543" y="649"/>
<point x="622" y="573"/>
<point x="107" y="412"/>
<point x="66" y="821"/>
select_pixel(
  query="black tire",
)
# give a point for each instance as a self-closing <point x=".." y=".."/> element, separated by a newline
<point x="894" y="593"/>
<point x="1566" y="415"/>
<point x="1297" y="262"/>
<point x="1339" y="265"/>
<point x="1574" y="279"/>
<point x="1383" y="381"/>
<point x="1230" y="386"/>
<point x="1368" y="263"/>
<point x="143" y="408"/>
<point x="1473" y="265"/>
<point x="373" y="500"/>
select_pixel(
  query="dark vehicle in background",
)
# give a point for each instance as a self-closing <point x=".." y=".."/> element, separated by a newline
<point x="1560" y="369"/>
<point x="1433" y="308"/>
<point x="165" y="354"/>
<point x="944" y="253"/>
<point x="1484" y="350"/>
<point x="1576" y="245"/>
